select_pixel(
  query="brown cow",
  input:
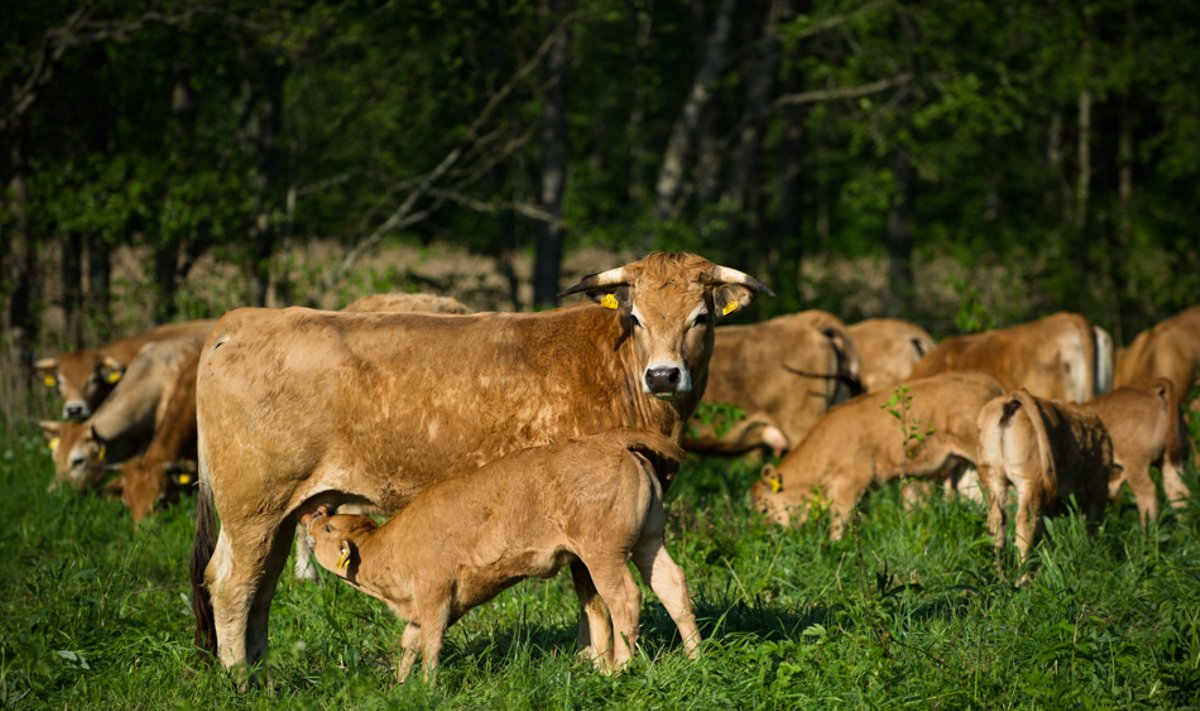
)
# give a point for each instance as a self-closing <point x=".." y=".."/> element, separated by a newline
<point x="861" y="443"/>
<point x="298" y="407"/>
<point x="1171" y="350"/>
<point x="785" y="369"/>
<point x="1049" y="451"/>
<point x="125" y="422"/>
<point x="888" y="350"/>
<point x="408" y="303"/>
<point x="84" y="378"/>
<point x="594" y="499"/>
<point x="1053" y="357"/>
<point x="1146" y="428"/>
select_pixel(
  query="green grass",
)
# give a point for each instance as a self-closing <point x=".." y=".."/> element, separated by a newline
<point x="907" y="611"/>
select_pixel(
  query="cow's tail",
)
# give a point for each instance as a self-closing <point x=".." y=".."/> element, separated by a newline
<point x="651" y="444"/>
<point x="1022" y="401"/>
<point x="202" y="552"/>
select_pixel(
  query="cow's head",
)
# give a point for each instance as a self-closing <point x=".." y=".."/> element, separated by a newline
<point x="668" y="304"/>
<point x="78" y="453"/>
<point x="334" y="539"/>
<point x="83" y="379"/>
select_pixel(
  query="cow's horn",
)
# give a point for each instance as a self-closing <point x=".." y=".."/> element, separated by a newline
<point x="45" y="363"/>
<point x="610" y="278"/>
<point x="725" y="275"/>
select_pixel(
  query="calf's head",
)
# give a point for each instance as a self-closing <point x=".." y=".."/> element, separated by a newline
<point x="83" y="379"/>
<point x="334" y="539"/>
<point x="78" y="453"/>
<point x="668" y="304"/>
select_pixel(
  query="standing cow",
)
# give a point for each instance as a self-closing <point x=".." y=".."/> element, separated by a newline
<point x="298" y="408"/>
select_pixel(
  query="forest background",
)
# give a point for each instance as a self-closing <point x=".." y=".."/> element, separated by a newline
<point x="963" y="164"/>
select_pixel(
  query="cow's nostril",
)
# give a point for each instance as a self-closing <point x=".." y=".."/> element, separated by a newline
<point x="77" y="462"/>
<point x="662" y="380"/>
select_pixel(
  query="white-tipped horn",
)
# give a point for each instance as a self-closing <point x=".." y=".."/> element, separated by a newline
<point x="612" y="277"/>
<point x="46" y="363"/>
<point x="726" y="275"/>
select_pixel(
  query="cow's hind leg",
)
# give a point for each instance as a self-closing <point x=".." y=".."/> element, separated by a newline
<point x="241" y="579"/>
<point x="668" y="582"/>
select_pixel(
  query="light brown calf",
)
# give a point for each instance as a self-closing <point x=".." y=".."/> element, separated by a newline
<point x="1049" y="451"/>
<point x="408" y="303"/>
<point x="594" y="499"/>
<point x="84" y="378"/>
<point x="1053" y="357"/>
<point x="860" y="443"/>
<point x="888" y="350"/>
<point x="298" y="407"/>
<point x="126" y="421"/>
<point x="1146" y="427"/>
<point x="785" y="369"/>
<point x="1171" y="350"/>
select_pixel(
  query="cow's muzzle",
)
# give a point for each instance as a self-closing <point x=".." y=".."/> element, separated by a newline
<point x="666" y="381"/>
<point x="76" y="410"/>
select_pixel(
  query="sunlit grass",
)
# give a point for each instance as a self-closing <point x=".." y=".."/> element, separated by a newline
<point x="908" y="610"/>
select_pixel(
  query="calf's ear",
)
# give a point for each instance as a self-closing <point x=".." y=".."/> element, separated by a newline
<point x="772" y="478"/>
<point x="111" y="369"/>
<point x="347" y="562"/>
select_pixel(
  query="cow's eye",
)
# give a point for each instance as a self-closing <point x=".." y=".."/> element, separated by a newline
<point x="701" y="319"/>
<point x="634" y="320"/>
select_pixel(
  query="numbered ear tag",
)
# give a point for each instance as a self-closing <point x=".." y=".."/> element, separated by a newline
<point x="114" y="376"/>
<point x="776" y="486"/>
<point x="729" y="308"/>
<point x="53" y="443"/>
<point x="609" y="301"/>
<point x="50" y="381"/>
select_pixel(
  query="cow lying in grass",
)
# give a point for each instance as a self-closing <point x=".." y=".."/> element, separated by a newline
<point x="596" y="499"/>
<point x="862" y="442"/>
<point x="1050" y="452"/>
<point x="1146" y="427"/>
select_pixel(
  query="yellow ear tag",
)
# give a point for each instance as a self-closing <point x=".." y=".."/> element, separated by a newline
<point x="114" y="376"/>
<point x="609" y="301"/>
<point x="49" y="381"/>
<point x="343" y="561"/>
<point x="100" y="455"/>
<point x="53" y="443"/>
<point x="184" y="479"/>
<point x="729" y="308"/>
<point x="776" y="485"/>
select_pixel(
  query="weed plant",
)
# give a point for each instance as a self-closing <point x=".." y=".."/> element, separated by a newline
<point x="906" y="611"/>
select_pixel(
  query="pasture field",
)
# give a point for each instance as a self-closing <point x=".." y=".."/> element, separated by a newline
<point x="907" y="611"/>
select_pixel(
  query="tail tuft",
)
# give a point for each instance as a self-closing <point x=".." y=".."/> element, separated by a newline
<point x="202" y="551"/>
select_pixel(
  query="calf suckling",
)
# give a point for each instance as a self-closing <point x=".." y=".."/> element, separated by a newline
<point x="595" y="499"/>
<point x="1049" y="451"/>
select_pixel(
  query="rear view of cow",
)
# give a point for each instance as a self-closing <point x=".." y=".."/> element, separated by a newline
<point x="1053" y="357"/>
<point x="297" y="408"/>
<point x="1050" y="452"/>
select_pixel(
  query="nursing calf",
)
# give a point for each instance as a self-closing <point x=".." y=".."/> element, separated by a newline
<point x="861" y="443"/>
<point x="1050" y="452"/>
<point x="594" y="499"/>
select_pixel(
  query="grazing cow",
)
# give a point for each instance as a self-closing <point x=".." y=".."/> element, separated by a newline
<point x="1049" y="451"/>
<point x="594" y="499"/>
<point x="298" y="407"/>
<point x="125" y="422"/>
<point x="157" y="474"/>
<point x="1171" y="350"/>
<point x="408" y="303"/>
<point x="84" y="378"/>
<point x="861" y="443"/>
<point x="1053" y="357"/>
<point x="888" y="350"/>
<point x="1146" y="427"/>
<point x="785" y="368"/>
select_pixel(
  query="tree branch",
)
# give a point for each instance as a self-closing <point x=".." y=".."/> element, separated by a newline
<point x="843" y="92"/>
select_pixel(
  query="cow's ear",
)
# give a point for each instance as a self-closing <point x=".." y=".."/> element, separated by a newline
<point x="46" y="370"/>
<point x="111" y="370"/>
<point x="616" y="298"/>
<point x="731" y="298"/>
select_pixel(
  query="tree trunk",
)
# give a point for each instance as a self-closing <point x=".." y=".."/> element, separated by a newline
<point x="789" y="253"/>
<point x="684" y="133"/>
<point x="72" y="289"/>
<point x="98" y="305"/>
<point x="262" y="245"/>
<point x="549" y="238"/>
<point x="637" y="142"/>
<point x="23" y="304"/>
<point x="899" y="235"/>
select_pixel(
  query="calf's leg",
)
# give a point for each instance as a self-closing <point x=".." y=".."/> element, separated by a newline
<point x="620" y="593"/>
<point x="595" y="629"/>
<point x="410" y="642"/>
<point x="668" y="582"/>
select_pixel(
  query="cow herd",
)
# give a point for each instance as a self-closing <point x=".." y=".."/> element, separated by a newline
<point x="506" y="445"/>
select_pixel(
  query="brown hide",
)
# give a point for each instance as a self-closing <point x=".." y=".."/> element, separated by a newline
<point x="1050" y="451"/>
<point x="784" y="368"/>
<point x="524" y="515"/>
<point x="297" y="406"/>
<point x="1053" y="357"/>
<point x="1171" y="350"/>
<point x="888" y="350"/>
<point x="1145" y="426"/>
<point x="85" y="378"/>
<point x="860" y="443"/>
<point x="408" y="303"/>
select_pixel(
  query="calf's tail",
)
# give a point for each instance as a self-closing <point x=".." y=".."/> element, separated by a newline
<point x="202" y="552"/>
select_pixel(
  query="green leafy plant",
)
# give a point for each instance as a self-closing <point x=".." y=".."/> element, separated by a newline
<point x="972" y="315"/>
<point x="721" y="415"/>
<point x="915" y="431"/>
